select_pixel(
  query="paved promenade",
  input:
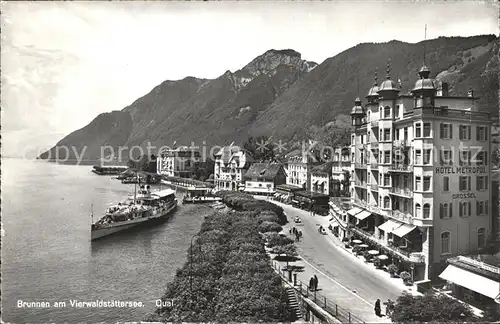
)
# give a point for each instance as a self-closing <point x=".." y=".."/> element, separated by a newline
<point x="343" y="278"/>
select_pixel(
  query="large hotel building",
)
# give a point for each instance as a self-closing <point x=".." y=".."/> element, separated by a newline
<point x="420" y="173"/>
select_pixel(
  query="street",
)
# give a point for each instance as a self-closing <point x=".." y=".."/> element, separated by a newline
<point x="352" y="284"/>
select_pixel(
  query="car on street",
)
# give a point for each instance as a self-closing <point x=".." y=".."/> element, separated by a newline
<point x="297" y="219"/>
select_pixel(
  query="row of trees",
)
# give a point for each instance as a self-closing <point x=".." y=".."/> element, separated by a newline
<point x="438" y="308"/>
<point x="245" y="202"/>
<point x="228" y="278"/>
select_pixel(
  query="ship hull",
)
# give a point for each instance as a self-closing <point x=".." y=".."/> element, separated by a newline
<point x="128" y="225"/>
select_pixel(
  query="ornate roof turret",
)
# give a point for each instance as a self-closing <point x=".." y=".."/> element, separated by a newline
<point x="425" y="83"/>
<point x="374" y="89"/>
<point x="358" y="109"/>
<point x="388" y="84"/>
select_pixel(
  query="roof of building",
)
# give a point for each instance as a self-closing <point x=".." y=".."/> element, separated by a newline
<point x="263" y="170"/>
<point x="388" y="84"/>
<point x="324" y="168"/>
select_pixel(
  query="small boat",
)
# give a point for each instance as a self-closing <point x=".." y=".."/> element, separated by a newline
<point x="196" y="195"/>
<point x="146" y="207"/>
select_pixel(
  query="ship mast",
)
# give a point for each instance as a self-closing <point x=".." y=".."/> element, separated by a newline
<point x="135" y="187"/>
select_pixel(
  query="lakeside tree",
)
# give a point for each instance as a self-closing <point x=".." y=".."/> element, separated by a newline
<point x="430" y="308"/>
<point x="491" y="313"/>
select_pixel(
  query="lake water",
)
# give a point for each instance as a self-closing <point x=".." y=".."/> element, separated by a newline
<point x="47" y="255"/>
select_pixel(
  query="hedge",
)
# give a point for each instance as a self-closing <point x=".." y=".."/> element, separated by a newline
<point x="245" y="202"/>
<point x="232" y="280"/>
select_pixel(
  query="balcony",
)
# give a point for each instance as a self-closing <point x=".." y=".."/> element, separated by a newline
<point x="374" y="123"/>
<point x="401" y="191"/>
<point x="374" y="145"/>
<point x="423" y="222"/>
<point x="374" y="165"/>
<point x="361" y="203"/>
<point x="374" y="186"/>
<point x="401" y="216"/>
<point x="360" y="165"/>
<point x="399" y="167"/>
<point x="451" y="113"/>
<point x="401" y="143"/>
<point x="361" y="184"/>
<point x="408" y="255"/>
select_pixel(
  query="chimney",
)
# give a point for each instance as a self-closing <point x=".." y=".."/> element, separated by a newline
<point x="444" y="89"/>
<point x="470" y="93"/>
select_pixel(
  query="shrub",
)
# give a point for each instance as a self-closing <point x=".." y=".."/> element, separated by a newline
<point x="377" y="263"/>
<point x="279" y="240"/>
<point x="269" y="227"/>
<point x="430" y="308"/>
<point x="405" y="275"/>
<point x="392" y="270"/>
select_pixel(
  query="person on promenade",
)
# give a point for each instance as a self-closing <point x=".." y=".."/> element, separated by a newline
<point x="315" y="283"/>
<point x="377" y="308"/>
<point x="311" y="283"/>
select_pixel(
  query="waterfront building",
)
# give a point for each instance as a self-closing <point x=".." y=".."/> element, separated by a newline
<point x="231" y="164"/>
<point x="474" y="279"/>
<point x="177" y="162"/>
<point x="341" y="171"/>
<point x="299" y="164"/>
<point x="262" y="178"/>
<point x="322" y="180"/>
<point x="421" y="173"/>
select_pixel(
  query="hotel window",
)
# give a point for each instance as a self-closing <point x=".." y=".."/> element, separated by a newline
<point x="405" y="181"/>
<point x="464" y="209"/>
<point x="381" y="112"/>
<point x="481" y="134"/>
<point x="427" y="211"/>
<point x="396" y="111"/>
<point x="445" y="210"/>
<point x="387" y="134"/>
<point x="353" y="139"/>
<point x="418" y="156"/>
<point x="446" y="184"/>
<point x="464" y="132"/>
<point x="446" y="131"/>
<point x="464" y="183"/>
<point x="405" y="205"/>
<point x="387" y="112"/>
<point x="427" y="156"/>
<point x="479" y="208"/>
<point x="486" y="210"/>
<point x="418" y="130"/>
<point x="418" y="181"/>
<point x="387" y="157"/>
<point x="418" y="210"/>
<point x="387" y="202"/>
<point x="481" y="237"/>
<point x="445" y="243"/>
<point x="396" y="134"/>
<point x="465" y="157"/>
<point x="481" y="182"/>
<point x="427" y="129"/>
<point x="427" y="183"/>
<point x="387" y="180"/>
<point x="446" y="157"/>
<point x="481" y="158"/>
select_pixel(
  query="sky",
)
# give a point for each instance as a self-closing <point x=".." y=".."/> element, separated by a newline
<point x="64" y="63"/>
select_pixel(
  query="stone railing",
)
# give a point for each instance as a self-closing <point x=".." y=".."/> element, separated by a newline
<point x="360" y="202"/>
<point x="405" y="217"/>
<point x="374" y="186"/>
<point x="402" y="191"/>
<point x="401" y="167"/>
<point x="479" y="264"/>
<point x="360" y="165"/>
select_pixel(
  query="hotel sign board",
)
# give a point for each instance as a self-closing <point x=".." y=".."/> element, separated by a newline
<point x="466" y="195"/>
<point x="461" y="170"/>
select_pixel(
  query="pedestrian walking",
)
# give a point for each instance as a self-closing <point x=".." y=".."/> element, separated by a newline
<point x="311" y="283"/>
<point x="294" y="230"/>
<point x="315" y="283"/>
<point x="377" y="308"/>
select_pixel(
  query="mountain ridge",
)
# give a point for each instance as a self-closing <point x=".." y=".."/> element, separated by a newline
<point x="280" y="94"/>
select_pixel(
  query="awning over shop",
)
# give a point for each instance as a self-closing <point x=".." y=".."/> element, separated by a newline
<point x="364" y="214"/>
<point x="354" y="211"/>
<point x="403" y="230"/>
<point x="472" y="281"/>
<point x="389" y="226"/>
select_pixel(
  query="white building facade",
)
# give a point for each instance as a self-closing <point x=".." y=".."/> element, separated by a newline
<point x="177" y="162"/>
<point x="231" y="164"/>
<point x="421" y="175"/>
